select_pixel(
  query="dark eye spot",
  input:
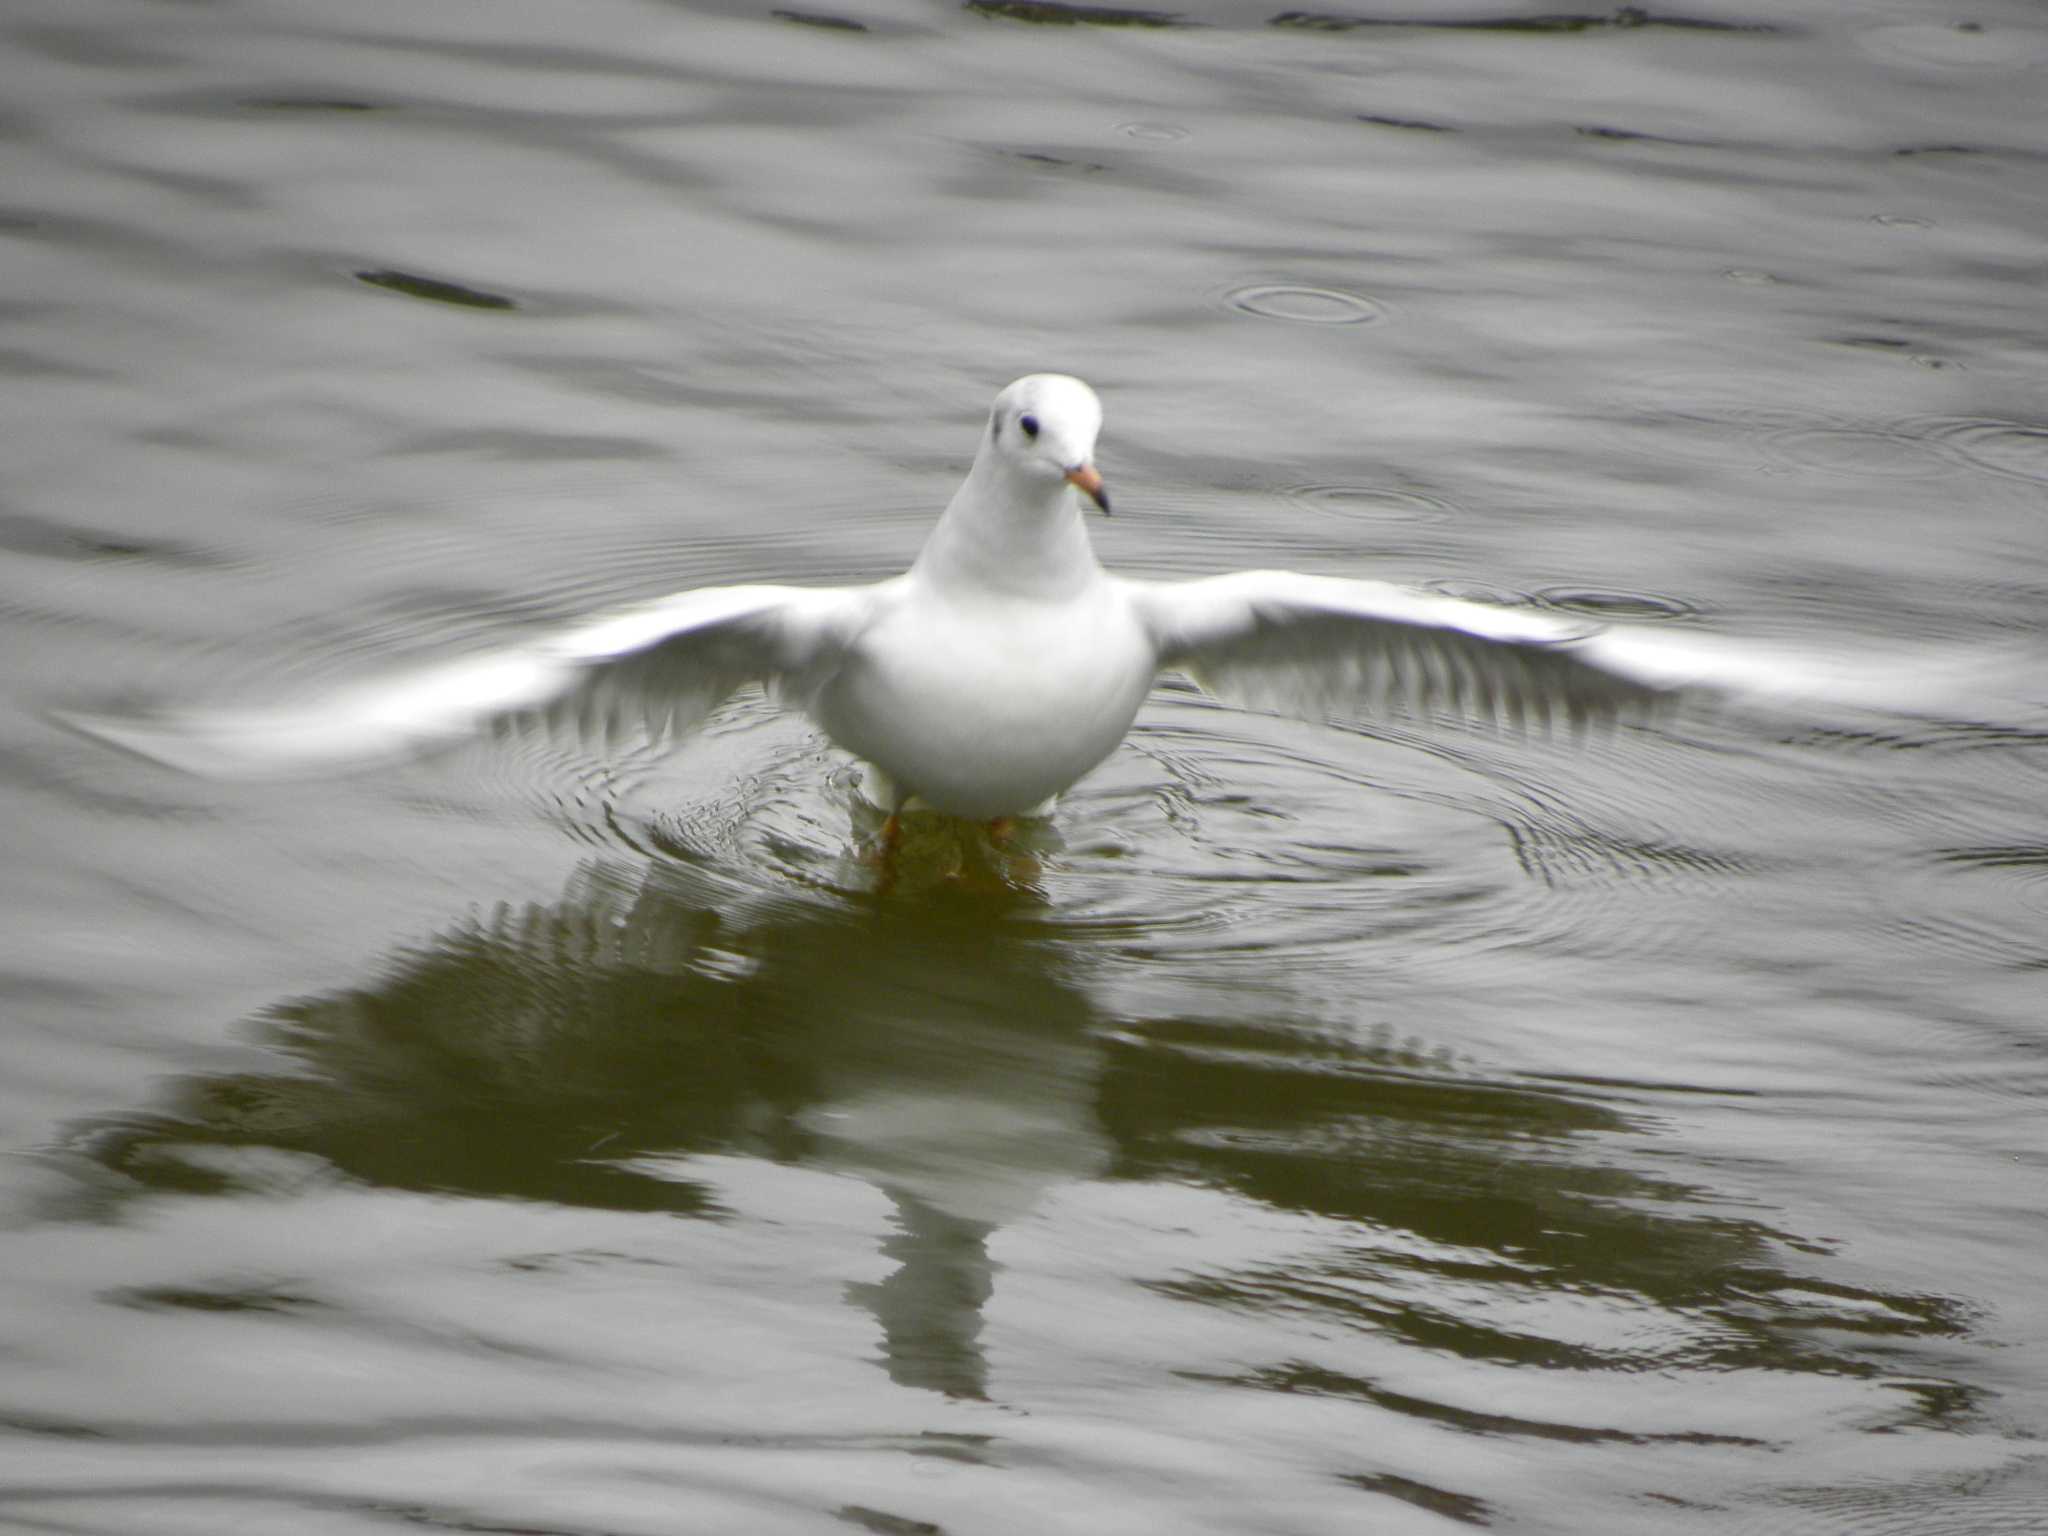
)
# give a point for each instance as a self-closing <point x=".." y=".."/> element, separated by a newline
<point x="1029" y="424"/>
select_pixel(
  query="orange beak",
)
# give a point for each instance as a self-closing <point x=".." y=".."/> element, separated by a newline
<point x="1087" y="479"/>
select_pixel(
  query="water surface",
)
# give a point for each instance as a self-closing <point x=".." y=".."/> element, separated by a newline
<point x="1313" y="1129"/>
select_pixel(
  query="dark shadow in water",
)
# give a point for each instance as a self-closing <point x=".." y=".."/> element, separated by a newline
<point x="1622" y="18"/>
<point x="943" y="1047"/>
<point x="436" y="290"/>
<point x="1056" y="13"/>
<point x="825" y="19"/>
<point x="1507" y="1184"/>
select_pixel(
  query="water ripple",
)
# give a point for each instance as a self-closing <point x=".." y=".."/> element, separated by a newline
<point x="1374" y="504"/>
<point x="1708" y="417"/>
<point x="1211" y="835"/>
<point x="1302" y="304"/>
<point x="1990" y="903"/>
<point x="1154" y="133"/>
<point x="2015" y="448"/>
<point x="1479" y="592"/>
<point x="1887" y="455"/>
<point x="1607" y="603"/>
<point x="1962" y="45"/>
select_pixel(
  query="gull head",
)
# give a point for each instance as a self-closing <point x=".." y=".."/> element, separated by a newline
<point x="1043" y="428"/>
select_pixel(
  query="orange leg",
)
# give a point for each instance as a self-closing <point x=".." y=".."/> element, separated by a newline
<point x="882" y="852"/>
<point x="885" y="853"/>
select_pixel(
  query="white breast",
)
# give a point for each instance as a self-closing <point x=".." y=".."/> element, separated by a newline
<point x="990" y="708"/>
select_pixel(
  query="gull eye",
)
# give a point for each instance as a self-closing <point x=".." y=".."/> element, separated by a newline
<point x="1029" y="425"/>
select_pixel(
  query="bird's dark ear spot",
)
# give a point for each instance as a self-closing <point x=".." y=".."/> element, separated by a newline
<point x="1029" y="424"/>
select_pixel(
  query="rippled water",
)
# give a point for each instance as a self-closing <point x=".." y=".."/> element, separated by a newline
<point x="1307" y="1129"/>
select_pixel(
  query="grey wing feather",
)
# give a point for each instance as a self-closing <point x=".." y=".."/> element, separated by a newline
<point x="658" y="668"/>
<point x="1323" y="647"/>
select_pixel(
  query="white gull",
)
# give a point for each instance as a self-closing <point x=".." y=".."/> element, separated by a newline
<point x="1006" y="662"/>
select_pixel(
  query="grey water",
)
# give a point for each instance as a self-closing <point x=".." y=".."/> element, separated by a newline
<point x="1316" y="1128"/>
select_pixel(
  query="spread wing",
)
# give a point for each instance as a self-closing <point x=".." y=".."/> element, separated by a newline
<point x="658" y="667"/>
<point x="1325" y="647"/>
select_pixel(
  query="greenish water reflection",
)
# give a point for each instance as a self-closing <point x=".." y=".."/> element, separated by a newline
<point x="946" y="1047"/>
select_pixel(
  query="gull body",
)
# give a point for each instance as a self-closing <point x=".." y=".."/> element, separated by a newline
<point x="1006" y="663"/>
<point x="986" y="709"/>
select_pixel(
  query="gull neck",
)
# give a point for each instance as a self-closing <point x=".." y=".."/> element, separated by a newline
<point x="1009" y="534"/>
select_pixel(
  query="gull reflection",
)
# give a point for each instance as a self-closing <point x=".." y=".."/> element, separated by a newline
<point x="579" y="1052"/>
<point x="949" y="1050"/>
